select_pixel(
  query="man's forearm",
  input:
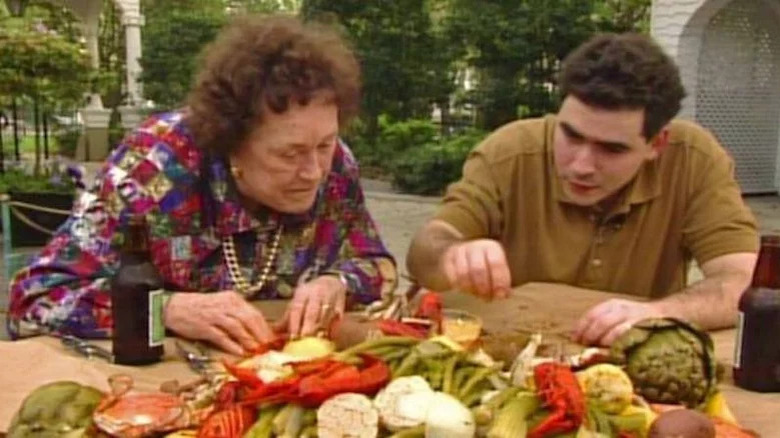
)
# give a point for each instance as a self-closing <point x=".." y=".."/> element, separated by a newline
<point x="711" y="303"/>
<point x="424" y="258"/>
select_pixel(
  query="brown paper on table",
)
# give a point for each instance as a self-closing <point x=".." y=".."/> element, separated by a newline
<point x="36" y="364"/>
<point x="32" y="362"/>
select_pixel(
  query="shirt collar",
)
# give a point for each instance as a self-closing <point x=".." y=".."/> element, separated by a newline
<point x="645" y="186"/>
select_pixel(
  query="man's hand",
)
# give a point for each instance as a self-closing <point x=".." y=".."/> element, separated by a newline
<point x="479" y="267"/>
<point x="315" y="304"/>
<point x="604" y="322"/>
<point x="223" y="318"/>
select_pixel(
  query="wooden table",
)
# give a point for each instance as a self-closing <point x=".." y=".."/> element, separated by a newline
<point x="551" y="308"/>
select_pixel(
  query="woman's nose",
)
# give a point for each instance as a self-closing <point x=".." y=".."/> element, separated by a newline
<point x="310" y="168"/>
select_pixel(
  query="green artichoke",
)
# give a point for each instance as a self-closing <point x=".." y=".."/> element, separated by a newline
<point x="668" y="361"/>
<point x="58" y="409"/>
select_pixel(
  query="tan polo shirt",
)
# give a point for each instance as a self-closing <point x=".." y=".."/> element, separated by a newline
<point x="684" y="205"/>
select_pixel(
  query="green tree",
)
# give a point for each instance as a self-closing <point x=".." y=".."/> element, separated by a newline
<point x="623" y="15"/>
<point x="406" y="62"/>
<point x="43" y="66"/>
<point x="174" y="35"/>
<point x="260" y="6"/>
<point x="515" y="48"/>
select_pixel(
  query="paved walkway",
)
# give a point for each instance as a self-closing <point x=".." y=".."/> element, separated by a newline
<point x="399" y="216"/>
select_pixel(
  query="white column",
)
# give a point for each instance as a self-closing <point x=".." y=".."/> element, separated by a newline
<point x="88" y="13"/>
<point x="132" y="20"/>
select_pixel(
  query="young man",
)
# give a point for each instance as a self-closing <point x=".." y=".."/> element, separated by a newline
<point x="609" y="194"/>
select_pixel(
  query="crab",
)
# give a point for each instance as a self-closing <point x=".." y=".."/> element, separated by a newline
<point x="128" y="414"/>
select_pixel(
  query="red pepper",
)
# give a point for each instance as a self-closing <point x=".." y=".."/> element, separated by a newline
<point x="374" y="376"/>
<point x="316" y="366"/>
<point x="272" y="389"/>
<point x="247" y="376"/>
<point x="391" y="327"/>
<point x="431" y="307"/>
<point x="276" y="344"/>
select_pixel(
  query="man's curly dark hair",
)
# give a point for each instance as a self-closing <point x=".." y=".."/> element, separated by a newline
<point x="259" y="63"/>
<point x="625" y="71"/>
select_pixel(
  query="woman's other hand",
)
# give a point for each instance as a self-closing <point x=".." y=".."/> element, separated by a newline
<point x="315" y="304"/>
<point x="224" y="318"/>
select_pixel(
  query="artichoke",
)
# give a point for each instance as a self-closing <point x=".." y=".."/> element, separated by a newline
<point x="668" y="361"/>
<point x="58" y="409"/>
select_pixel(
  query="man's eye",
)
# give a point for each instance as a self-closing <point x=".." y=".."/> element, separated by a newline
<point x="572" y="136"/>
<point x="613" y="149"/>
<point x="289" y="154"/>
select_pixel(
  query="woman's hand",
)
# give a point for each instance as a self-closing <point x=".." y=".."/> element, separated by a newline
<point x="223" y="318"/>
<point x="315" y="304"/>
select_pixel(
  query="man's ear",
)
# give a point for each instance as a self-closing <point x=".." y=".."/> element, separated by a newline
<point x="659" y="143"/>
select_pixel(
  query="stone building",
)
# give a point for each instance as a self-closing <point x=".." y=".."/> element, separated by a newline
<point x="729" y="56"/>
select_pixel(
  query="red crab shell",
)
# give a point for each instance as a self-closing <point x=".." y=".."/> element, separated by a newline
<point x="138" y="414"/>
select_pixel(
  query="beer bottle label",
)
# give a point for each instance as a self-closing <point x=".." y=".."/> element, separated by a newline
<point x="738" y="343"/>
<point x="156" y="327"/>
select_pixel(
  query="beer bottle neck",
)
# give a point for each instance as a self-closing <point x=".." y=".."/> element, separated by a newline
<point x="767" y="272"/>
<point x="136" y="239"/>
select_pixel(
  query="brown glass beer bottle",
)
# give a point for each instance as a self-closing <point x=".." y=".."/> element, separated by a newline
<point x="757" y="349"/>
<point x="137" y="300"/>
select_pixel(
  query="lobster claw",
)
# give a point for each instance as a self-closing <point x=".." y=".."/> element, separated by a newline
<point x="554" y="423"/>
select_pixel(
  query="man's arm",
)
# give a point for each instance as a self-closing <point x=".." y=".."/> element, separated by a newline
<point x="424" y="260"/>
<point x="710" y="303"/>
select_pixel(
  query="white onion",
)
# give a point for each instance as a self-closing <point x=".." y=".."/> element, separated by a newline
<point x="448" y="418"/>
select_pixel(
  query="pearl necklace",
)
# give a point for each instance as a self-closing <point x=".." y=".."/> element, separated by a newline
<point x="240" y="282"/>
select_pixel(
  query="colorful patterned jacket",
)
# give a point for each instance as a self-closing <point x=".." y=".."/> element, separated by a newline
<point x="191" y="206"/>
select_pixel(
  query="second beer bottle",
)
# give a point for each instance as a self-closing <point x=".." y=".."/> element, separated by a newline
<point x="757" y="350"/>
<point x="137" y="300"/>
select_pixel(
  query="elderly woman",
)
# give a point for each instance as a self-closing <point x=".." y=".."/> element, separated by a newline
<point x="249" y="194"/>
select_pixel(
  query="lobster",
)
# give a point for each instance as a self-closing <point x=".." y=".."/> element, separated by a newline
<point x="312" y="382"/>
<point x="557" y="385"/>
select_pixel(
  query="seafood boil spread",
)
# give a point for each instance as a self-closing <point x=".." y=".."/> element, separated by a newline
<point x="430" y="372"/>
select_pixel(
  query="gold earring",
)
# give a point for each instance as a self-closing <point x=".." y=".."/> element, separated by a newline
<point x="236" y="172"/>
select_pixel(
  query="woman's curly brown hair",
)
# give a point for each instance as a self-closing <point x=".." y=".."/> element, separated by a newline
<point x="625" y="71"/>
<point x="265" y="62"/>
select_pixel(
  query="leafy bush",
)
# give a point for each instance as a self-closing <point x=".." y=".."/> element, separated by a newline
<point x="428" y="168"/>
<point x="397" y="138"/>
<point x="57" y="177"/>
<point x="394" y="139"/>
<point x="68" y="141"/>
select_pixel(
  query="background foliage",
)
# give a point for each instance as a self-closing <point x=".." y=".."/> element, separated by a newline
<point x="438" y="74"/>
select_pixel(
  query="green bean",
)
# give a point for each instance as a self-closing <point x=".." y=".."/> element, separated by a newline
<point x="475" y="378"/>
<point x="407" y="365"/>
<point x="449" y="370"/>
<point x="376" y="343"/>
<point x="411" y="432"/>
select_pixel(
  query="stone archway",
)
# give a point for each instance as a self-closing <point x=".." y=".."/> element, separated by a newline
<point x="738" y="88"/>
<point x="712" y="41"/>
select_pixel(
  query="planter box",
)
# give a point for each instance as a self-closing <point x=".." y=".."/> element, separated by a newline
<point x="23" y="234"/>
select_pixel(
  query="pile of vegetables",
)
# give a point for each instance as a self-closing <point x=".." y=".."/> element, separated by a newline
<point x="398" y="386"/>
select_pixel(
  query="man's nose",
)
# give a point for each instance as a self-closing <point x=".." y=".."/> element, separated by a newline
<point x="584" y="162"/>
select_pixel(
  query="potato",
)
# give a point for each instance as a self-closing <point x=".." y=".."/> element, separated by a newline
<point x="682" y="423"/>
<point x="311" y="347"/>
